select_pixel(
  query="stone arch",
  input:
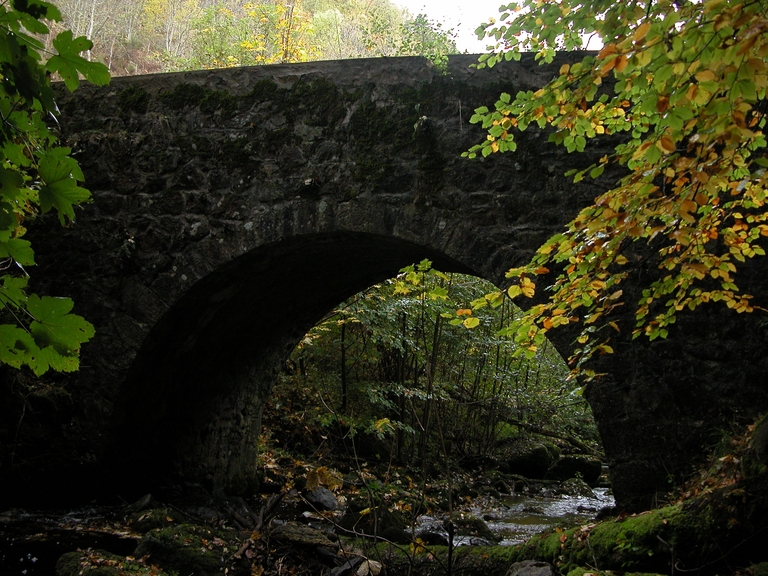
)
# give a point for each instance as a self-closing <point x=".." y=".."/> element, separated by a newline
<point x="204" y="369"/>
<point x="200" y="176"/>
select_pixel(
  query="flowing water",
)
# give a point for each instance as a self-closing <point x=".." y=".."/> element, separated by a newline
<point x="30" y="543"/>
<point x="516" y="518"/>
<point x="520" y="517"/>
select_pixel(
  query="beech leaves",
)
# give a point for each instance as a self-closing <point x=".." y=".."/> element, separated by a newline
<point x="688" y="90"/>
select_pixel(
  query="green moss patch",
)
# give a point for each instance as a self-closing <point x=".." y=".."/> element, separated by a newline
<point x="99" y="563"/>
<point x="196" y="550"/>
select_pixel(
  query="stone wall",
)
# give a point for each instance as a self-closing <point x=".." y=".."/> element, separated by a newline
<point x="234" y="208"/>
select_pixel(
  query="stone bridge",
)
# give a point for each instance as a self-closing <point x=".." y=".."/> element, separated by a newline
<point x="234" y="208"/>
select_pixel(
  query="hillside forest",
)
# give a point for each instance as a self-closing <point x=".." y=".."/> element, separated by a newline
<point x="149" y="36"/>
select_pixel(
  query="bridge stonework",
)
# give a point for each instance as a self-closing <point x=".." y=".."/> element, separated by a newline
<point x="234" y="208"/>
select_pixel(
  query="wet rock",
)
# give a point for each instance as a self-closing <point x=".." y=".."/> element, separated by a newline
<point x="469" y="525"/>
<point x="432" y="532"/>
<point x="565" y="467"/>
<point x="575" y="487"/>
<point x="322" y="499"/>
<point x="146" y="502"/>
<point x="531" y="568"/>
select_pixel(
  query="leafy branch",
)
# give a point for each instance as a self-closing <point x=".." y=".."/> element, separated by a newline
<point x="688" y="85"/>
<point x="36" y="176"/>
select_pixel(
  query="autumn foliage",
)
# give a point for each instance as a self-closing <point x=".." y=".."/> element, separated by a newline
<point x="685" y="82"/>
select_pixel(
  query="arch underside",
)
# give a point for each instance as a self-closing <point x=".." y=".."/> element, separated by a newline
<point x="190" y="406"/>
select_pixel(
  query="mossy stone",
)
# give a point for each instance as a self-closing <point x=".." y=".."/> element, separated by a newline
<point x="198" y="550"/>
<point x="101" y="563"/>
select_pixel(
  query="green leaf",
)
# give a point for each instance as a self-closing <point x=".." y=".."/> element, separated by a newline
<point x="69" y="64"/>
<point x="12" y="291"/>
<point x="18" y="249"/>
<point x="55" y="326"/>
<point x="60" y="189"/>
<point x="16" y="346"/>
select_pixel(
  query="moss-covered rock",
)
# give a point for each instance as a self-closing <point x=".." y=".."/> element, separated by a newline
<point x="146" y="520"/>
<point x="198" y="550"/>
<point x="469" y="560"/>
<point x="707" y="533"/>
<point x="533" y="461"/>
<point x="580" y="571"/>
<point x="469" y="525"/>
<point x="100" y="563"/>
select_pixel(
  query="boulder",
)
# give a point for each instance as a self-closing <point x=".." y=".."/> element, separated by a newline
<point x="534" y="462"/>
<point x="576" y="487"/>
<point x="389" y="524"/>
<point x="469" y="525"/>
<point x="531" y="568"/>
<point x="322" y="499"/>
<point x="199" y="550"/>
<point x="760" y="440"/>
<point x="584" y="467"/>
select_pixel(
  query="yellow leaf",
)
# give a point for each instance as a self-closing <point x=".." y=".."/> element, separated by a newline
<point x="705" y="76"/>
<point x="641" y="31"/>
<point x="471" y="322"/>
<point x="527" y="287"/>
<point x="565" y="68"/>
<point x="514" y="291"/>
<point x="621" y="63"/>
<point x="666" y="144"/>
<point x="606" y="51"/>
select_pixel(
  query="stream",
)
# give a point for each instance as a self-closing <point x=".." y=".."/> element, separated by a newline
<point x="31" y="542"/>
<point x="520" y="517"/>
<point x="513" y="519"/>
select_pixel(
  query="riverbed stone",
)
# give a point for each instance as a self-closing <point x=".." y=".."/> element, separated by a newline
<point x="584" y="467"/>
<point x="100" y="563"/>
<point x="534" y="462"/>
<point x="199" y="550"/>
<point x="760" y="440"/>
<point x="531" y="568"/>
<point x="322" y="499"/>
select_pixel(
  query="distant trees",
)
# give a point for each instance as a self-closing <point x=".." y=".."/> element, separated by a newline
<point x="139" y="36"/>
<point x="399" y="362"/>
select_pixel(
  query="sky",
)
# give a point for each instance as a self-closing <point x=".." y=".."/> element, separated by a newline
<point x="463" y="16"/>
